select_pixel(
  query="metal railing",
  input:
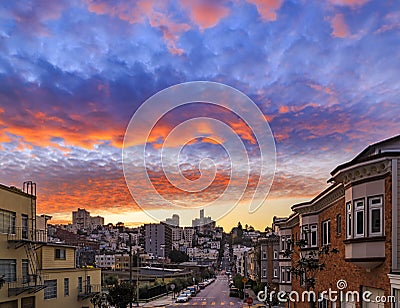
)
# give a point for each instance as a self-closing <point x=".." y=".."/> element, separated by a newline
<point x="89" y="289"/>
<point x="27" y="283"/>
<point x="26" y="234"/>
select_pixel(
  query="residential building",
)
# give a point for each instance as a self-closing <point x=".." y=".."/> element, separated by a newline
<point x="81" y="220"/>
<point x="158" y="239"/>
<point x="37" y="273"/>
<point x="268" y="248"/>
<point x="106" y="261"/>
<point x="173" y="221"/>
<point x="358" y="215"/>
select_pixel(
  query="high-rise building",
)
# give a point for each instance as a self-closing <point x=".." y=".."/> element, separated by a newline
<point x="81" y="219"/>
<point x="158" y="240"/>
<point x="173" y="221"/>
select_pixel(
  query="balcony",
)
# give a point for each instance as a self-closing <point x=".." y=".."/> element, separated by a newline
<point x="88" y="291"/>
<point x="29" y="285"/>
<point x="365" y="252"/>
<point x="19" y="234"/>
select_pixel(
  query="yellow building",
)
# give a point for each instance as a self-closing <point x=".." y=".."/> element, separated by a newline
<point x="33" y="271"/>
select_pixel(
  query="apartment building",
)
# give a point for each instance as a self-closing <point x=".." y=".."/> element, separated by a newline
<point x="82" y="220"/>
<point x="37" y="273"/>
<point x="158" y="240"/>
<point x="358" y="214"/>
<point x="268" y="250"/>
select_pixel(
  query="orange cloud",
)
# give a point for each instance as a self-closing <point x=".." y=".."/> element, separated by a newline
<point x="205" y="14"/>
<point x="267" y="8"/>
<point x="339" y="26"/>
<point x="85" y="131"/>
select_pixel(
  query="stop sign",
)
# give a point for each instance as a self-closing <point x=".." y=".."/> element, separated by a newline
<point x="249" y="301"/>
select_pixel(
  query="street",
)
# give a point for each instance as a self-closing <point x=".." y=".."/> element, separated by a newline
<point x="214" y="295"/>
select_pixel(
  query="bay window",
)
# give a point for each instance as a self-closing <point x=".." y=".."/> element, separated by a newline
<point x="349" y="226"/>
<point x="359" y="218"/>
<point x="326" y="232"/>
<point x="314" y="235"/>
<point x="375" y="216"/>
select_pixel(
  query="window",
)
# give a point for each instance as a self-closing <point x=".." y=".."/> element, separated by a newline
<point x="375" y="216"/>
<point x="305" y="234"/>
<point x="24" y="221"/>
<point x="275" y="273"/>
<point x="8" y="268"/>
<point x="25" y="271"/>
<point x="264" y="273"/>
<point x="326" y="232"/>
<point x="288" y="275"/>
<point x="338" y="224"/>
<point x="66" y="286"/>
<point x="359" y="218"/>
<point x="60" y="253"/>
<point x="283" y="243"/>
<point x="7" y="222"/>
<point x="313" y="235"/>
<point x="51" y="289"/>
<point x="80" y="284"/>
<point x="348" y="220"/>
<point x="275" y="254"/>
<point x="283" y="274"/>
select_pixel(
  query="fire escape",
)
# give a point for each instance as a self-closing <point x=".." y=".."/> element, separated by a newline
<point x="31" y="239"/>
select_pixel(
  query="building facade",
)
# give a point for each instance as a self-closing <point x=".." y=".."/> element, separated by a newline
<point x="37" y="273"/>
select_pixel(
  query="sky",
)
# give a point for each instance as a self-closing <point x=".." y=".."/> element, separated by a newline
<point x="324" y="74"/>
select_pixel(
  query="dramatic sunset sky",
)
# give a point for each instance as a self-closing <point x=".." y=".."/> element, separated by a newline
<point x="325" y="74"/>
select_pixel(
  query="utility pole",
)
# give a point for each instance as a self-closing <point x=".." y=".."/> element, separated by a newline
<point x="137" y="277"/>
<point x="163" y="262"/>
<point x="130" y="266"/>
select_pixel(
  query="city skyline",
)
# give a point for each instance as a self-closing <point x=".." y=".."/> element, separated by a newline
<point x="324" y="75"/>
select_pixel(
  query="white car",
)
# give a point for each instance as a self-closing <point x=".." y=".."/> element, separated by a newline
<point x="182" y="298"/>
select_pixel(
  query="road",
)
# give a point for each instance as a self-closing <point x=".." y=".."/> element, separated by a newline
<point x="214" y="295"/>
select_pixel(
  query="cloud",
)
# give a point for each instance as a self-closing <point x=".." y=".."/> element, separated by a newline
<point x="267" y="8"/>
<point x="139" y="12"/>
<point x="205" y="14"/>
<point x="351" y="3"/>
<point x="339" y="26"/>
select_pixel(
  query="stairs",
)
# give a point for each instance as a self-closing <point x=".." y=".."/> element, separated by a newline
<point x="33" y="263"/>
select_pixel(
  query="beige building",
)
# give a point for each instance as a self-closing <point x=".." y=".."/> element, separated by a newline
<point x="37" y="273"/>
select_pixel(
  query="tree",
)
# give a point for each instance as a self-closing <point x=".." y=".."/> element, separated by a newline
<point x="177" y="256"/>
<point x="120" y="295"/>
<point x="307" y="263"/>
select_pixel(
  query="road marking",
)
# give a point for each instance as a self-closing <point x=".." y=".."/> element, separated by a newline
<point x="204" y="303"/>
<point x="212" y="303"/>
<point x="194" y="304"/>
<point x="222" y="303"/>
<point x="232" y="303"/>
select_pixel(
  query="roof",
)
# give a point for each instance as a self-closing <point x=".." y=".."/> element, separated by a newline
<point x="374" y="151"/>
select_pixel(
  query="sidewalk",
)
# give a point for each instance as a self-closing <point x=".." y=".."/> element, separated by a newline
<point x="160" y="302"/>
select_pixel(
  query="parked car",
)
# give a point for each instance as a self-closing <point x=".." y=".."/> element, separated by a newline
<point x="202" y="285"/>
<point x="182" y="298"/>
<point x="234" y="292"/>
<point x="187" y="292"/>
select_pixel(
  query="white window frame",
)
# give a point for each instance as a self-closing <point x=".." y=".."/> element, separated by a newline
<point x="313" y="230"/>
<point x="288" y="274"/>
<point x="349" y="220"/>
<point x="376" y="206"/>
<point x="275" y="272"/>
<point x="283" y="274"/>
<point x="50" y="292"/>
<point x="275" y="254"/>
<point x="305" y="234"/>
<point x="359" y="207"/>
<point x="326" y="229"/>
